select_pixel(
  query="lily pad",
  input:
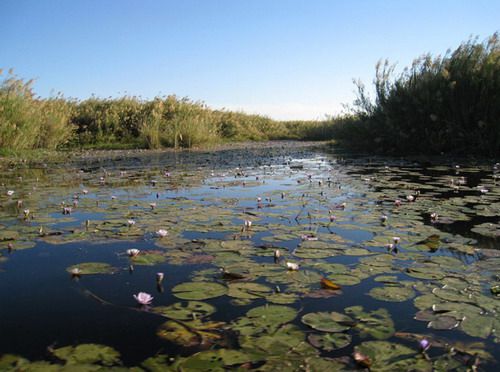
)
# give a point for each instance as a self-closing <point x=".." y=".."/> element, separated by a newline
<point x="191" y="333"/>
<point x="88" y="354"/>
<point x="90" y="268"/>
<point x="328" y="322"/>
<point x="199" y="290"/>
<point x="248" y="290"/>
<point x="391" y="294"/>
<point x="191" y="310"/>
<point x="330" y="341"/>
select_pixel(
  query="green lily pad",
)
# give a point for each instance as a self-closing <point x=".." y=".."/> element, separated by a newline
<point x="328" y="322"/>
<point x="377" y="323"/>
<point x="248" y="290"/>
<point x="199" y="290"/>
<point x="330" y="341"/>
<point x="391" y="294"/>
<point x="88" y="354"/>
<point x="148" y="258"/>
<point x="191" y="310"/>
<point x="390" y="356"/>
<point x="271" y="314"/>
<point x="90" y="268"/>
<point x="444" y="322"/>
<point x="191" y="333"/>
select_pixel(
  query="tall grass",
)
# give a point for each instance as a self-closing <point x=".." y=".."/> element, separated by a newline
<point x="443" y="104"/>
<point x="27" y="122"/>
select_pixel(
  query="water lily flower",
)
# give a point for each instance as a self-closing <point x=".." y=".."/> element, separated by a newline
<point x="26" y="213"/>
<point x="248" y="224"/>
<point x="434" y="216"/>
<point x="76" y="271"/>
<point x="424" y="344"/>
<point x="362" y="359"/>
<point x="397" y="203"/>
<point x="162" y="233"/>
<point x="159" y="277"/>
<point x="332" y="218"/>
<point x="130" y="222"/>
<point x="152" y="205"/>
<point x="383" y="218"/>
<point x="143" y="298"/>
<point x="259" y="199"/>
<point x="10" y="192"/>
<point x="85" y="191"/>
<point x="66" y="210"/>
<point x="410" y="198"/>
<point x="19" y="203"/>
<point x="396" y="239"/>
<point x="277" y="254"/>
<point x="113" y="197"/>
<point x="309" y="237"/>
<point x="133" y="252"/>
<point x="292" y="266"/>
<point x="390" y="247"/>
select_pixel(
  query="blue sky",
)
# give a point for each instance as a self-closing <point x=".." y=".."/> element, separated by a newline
<point x="287" y="59"/>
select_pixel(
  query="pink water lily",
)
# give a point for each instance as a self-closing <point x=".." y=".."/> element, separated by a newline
<point x="143" y="298"/>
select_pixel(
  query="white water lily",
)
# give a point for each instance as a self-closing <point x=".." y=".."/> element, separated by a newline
<point x="292" y="266"/>
<point x="396" y="239"/>
<point x="397" y="202"/>
<point x="277" y="254"/>
<point x="248" y="224"/>
<point x="133" y="252"/>
<point x="309" y="237"/>
<point x="130" y="222"/>
<point x="159" y="277"/>
<point x="143" y="298"/>
<point x="152" y="205"/>
<point x="383" y="218"/>
<point x="76" y="271"/>
<point x="10" y="192"/>
<point x="162" y="233"/>
<point x="85" y="191"/>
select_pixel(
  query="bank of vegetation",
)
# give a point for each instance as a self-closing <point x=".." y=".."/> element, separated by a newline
<point x="446" y="104"/>
<point x="443" y="104"/>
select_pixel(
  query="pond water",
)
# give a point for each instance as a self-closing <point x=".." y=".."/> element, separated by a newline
<point x="379" y="259"/>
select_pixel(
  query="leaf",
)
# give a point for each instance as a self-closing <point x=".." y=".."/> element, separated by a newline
<point x="328" y="284"/>
<point x="248" y="290"/>
<point x="391" y="294"/>
<point x="328" y="322"/>
<point x="191" y="333"/>
<point x="330" y="341"/>
<point x="390" y="356"/>
<point x="88" y="354"/>
<point x="90" y="268"/>
<point x="185" y="311"/>
<point x="199" y="290"/>
<point x="376" y="323"/>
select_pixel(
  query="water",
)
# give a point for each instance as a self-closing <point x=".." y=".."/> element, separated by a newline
<point x="205" y="197"/>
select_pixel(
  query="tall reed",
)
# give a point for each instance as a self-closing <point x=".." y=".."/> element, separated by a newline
<point x="443" y="104"/>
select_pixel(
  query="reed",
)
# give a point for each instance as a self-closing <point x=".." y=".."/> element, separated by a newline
<point x="440" y="105"/>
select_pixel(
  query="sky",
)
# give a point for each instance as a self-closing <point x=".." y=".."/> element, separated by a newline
<point x="286" y="59"/>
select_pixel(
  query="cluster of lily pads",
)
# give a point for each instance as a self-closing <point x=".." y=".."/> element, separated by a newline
<point x="288" y="241"/>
